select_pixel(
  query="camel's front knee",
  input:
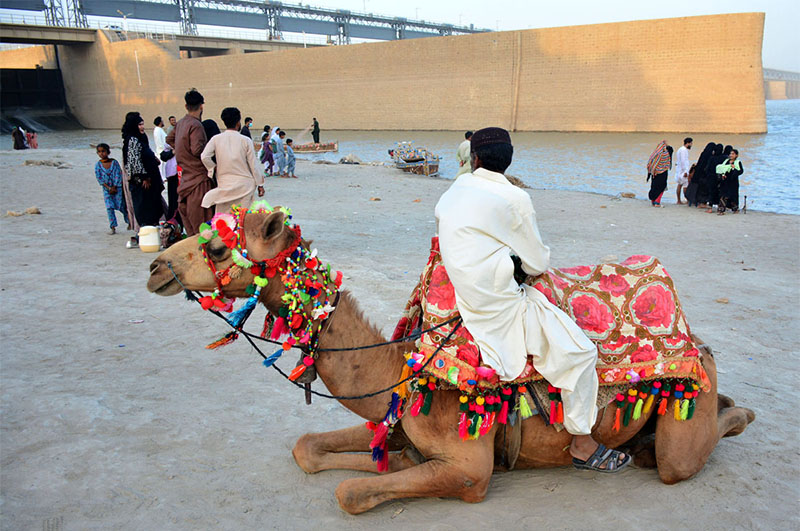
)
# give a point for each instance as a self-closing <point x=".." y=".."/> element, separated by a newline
<point x="306" y="454"/>
<point x="473" y="487"/>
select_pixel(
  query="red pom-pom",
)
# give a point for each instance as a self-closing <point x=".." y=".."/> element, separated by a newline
<point x="206" y="302"/>
<point x="297" y="320"/>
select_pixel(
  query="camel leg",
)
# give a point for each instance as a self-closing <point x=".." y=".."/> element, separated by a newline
<point x="459" y="474"/>
<point x="315" y="452"/>
<point x="732" y="421"/>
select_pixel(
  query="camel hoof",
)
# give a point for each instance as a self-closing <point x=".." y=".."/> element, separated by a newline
<point x="724" y="401"/>
<point x="303" y="454"/>
<point x="349" y="498"/>
<point x="744" y="416"/>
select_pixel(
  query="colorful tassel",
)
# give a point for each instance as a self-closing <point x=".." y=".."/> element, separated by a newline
<point x="677" y="407"/>
<point x="476" y="431"/>
<point x="426" y="406"/>
<point x="662" y="407"/>
<point x="463" y="425"/>
<point x="227" y="339"/>
<point x="274" y="357"/>
<point x="617" y="416"/>
<point x="637" y="410"/>
<point x="684" y="409"/>
<point x="560" y="413"/>
<point x="402" y="388"/>
<point x="297" y="372"/>
<point x="553" y="412"/>
<point x="524" y="409"/>
<point x="488" y="422"/>
<point x="649" y="404"/>
<point x="626" y="418"/>
<point x="415" y="407"/>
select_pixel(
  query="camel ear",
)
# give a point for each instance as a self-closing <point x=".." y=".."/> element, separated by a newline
<point x="273" y="226"/>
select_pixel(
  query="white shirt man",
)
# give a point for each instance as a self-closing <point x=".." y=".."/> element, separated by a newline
<point x="481" y="220"/>
<point x="682" y="166"/>
<point x="462" y="155"/>
<point x="160" y="142"/>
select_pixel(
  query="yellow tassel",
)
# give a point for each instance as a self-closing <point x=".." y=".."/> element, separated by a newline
<point x="649" y="404"/>
<point x="402" y="389"/>
<point x="677" y="406"/>
<point x="637" y="411"/>
<point x="684" y="409"/>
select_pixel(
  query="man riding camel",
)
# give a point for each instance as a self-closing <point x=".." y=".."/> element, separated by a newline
<point x="482" y="220"/>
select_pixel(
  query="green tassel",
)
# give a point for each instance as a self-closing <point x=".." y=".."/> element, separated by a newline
<point x="476" y="432"/>
<point x="473" y="424"/>
<point x="637" y="411"/>
<point x="524" y="408"/>
<point x="690" y="413"/>
<point x="426" y="406"/>
<point x="685" y="410"/>
<point x="627" y="417"/>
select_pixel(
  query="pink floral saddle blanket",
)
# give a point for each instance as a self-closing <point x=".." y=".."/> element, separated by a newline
<point x="629" y="310"/>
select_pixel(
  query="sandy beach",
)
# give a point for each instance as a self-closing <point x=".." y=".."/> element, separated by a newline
<point x="114" y="416"/>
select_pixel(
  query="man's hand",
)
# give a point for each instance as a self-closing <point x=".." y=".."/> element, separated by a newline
<point x="260" y="191"/>
<point x="146" y="184"/>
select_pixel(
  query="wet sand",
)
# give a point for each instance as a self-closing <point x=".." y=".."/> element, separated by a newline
<point x="108" y="423"/>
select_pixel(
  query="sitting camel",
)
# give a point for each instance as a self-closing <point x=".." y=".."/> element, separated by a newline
<point x="435" y="462"/>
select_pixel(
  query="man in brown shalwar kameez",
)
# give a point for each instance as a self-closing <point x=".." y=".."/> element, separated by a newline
<point x="189" y="139"/>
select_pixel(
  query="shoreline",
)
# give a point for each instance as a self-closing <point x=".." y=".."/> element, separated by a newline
<point x="115" y="416"/>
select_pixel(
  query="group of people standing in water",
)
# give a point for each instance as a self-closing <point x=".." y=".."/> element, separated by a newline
<point x="711" y="181"/>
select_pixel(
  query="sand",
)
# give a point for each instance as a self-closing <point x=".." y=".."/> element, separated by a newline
<point x="115" y="417"/>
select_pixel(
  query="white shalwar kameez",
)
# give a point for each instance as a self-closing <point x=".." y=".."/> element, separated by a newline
<point x="682" y="166"/>
<point x="482" y="219"/>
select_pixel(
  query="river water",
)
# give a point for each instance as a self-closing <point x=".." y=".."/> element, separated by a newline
<point x="604" y="163"/>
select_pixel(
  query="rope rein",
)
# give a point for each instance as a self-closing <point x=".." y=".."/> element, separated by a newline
<point x="414" y="335"/>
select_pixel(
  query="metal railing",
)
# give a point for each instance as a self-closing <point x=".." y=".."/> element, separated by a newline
<point x="136" y="30"/>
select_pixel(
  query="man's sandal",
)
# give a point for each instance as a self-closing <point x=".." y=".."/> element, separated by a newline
<point x="603" y="460"/>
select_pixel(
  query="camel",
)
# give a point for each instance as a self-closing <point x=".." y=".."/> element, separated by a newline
<point x="428" y="457"/>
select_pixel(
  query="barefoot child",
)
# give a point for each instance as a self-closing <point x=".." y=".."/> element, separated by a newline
<point x="109" y="174"/>
<point x="290" y="159"/>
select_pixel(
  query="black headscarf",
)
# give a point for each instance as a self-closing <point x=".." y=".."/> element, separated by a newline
<point x="131" y="129"/>
<point x="707" y="153"/>
<point x="211" y="128"/>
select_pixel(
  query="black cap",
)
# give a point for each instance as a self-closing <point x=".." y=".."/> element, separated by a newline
<point x="489" y="136"/>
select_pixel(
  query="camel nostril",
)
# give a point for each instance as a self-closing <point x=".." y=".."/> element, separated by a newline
<point x="154" y="266"/>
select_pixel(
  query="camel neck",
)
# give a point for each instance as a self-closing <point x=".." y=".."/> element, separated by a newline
<point x="358" y="372"/>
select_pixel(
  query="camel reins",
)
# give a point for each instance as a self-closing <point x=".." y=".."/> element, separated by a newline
<point x="192" y="296"/>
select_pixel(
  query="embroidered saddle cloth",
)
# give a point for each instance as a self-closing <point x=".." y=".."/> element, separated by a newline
<point x="629" y="310"/>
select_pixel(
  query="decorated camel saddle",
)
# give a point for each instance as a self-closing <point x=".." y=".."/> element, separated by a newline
<point x="629" y="310"/>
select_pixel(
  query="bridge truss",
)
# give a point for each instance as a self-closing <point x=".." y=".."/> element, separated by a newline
<point x="271" y="16"/>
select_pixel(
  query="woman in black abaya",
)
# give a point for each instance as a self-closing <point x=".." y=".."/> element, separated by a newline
<point x="693" y="193"/>
<point x="141" y="166"/>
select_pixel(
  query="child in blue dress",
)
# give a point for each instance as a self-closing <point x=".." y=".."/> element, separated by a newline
<point x="290" y="159"/>
<point x="109" y="174"/>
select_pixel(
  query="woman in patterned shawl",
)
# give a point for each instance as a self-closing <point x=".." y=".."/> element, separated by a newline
<point x="141" y="165"/>
<point x="657" y="167"/>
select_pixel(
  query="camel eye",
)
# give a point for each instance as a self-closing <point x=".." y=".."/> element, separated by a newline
<point x="217" y="253"/>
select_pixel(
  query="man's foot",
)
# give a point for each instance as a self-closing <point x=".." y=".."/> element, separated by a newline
<point x="603" y="460"/>
<point x="587" y="454"/>
<point x="112" y="231"/>
<point x="133" y="243"/>
<point x="130" y="227"/>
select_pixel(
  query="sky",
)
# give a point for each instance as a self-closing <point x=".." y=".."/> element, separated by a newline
<point x="781" y="32"/>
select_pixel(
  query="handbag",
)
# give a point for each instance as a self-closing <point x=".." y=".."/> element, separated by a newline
<point x="166" y="155"/>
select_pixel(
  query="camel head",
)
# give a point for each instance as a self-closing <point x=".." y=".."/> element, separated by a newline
<point x="266" y="235"/>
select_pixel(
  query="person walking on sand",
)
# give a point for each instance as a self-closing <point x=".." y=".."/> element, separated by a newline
<point x="160" y="142"/>
<point x="462" y="155"/>
<point x="682" y="166"/>
<point x="267" y="158"/>
<point x="19" y="138"/>
<point x="482" y="219"/>
<point x="188" y="140"/>
<point x="280" y="153"/>
<point x="720" y="156"/>
<point x="290" y="162"/>
<point x="245" y="131"/>
<point x="238" y="173"/>
<point x="315" y="130"/>
<point x="141" y="165"/>
<point x="658" y="166"/>
<point x="108" y="173"/>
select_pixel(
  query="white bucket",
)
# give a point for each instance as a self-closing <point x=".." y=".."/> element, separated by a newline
<point x="149" y="239"/>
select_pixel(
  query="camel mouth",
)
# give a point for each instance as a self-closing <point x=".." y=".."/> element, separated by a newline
<point x="167" y="289"/>
<point x="161" y="282"/>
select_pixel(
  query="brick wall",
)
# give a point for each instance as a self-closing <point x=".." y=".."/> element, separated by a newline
<point x="695" y="74"/>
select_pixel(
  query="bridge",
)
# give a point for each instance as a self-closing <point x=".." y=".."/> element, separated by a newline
<point x="273" y="17"/>
<point x="781" y="84"/>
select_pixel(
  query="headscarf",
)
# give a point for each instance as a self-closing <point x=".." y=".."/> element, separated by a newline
<point x="211" y="128"/>
<point x="660" y="160"/>
<point x="131" y="129"/>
